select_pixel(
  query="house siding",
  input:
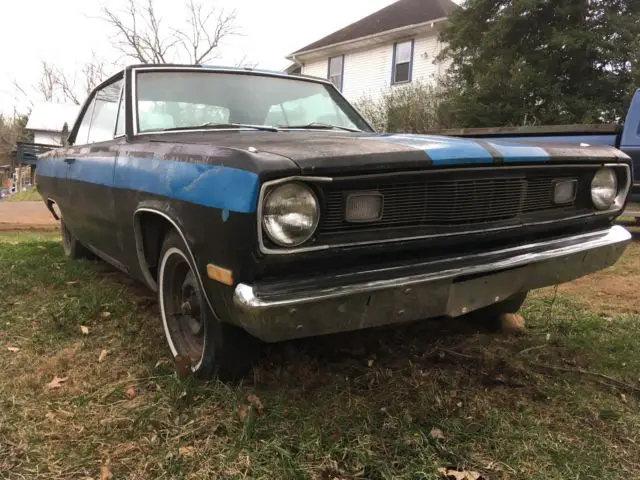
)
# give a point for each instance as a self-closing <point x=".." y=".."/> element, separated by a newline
<point x="367" y="72"/>
<point x="50" y="138"/>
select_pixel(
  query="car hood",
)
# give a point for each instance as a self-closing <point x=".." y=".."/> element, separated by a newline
<point x="336" y="152"/>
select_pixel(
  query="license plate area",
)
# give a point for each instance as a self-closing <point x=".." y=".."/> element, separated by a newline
<point x="468" y="295"/>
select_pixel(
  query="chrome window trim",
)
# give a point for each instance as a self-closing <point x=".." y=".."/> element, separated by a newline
<point x="121" y="98"/>
<point x="617" y="208"/>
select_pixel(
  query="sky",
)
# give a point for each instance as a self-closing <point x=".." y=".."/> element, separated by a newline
<point x="66" y="32"/>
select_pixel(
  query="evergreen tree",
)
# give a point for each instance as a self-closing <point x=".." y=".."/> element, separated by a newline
<point x="517" y="62"/>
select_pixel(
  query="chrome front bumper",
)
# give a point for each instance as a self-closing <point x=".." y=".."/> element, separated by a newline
<point x="449" y="286"/>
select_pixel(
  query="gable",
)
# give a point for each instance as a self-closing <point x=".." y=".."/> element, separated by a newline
<point x="402" y="13"/>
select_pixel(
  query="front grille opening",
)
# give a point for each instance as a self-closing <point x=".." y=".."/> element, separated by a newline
<point x="477" y="201"/>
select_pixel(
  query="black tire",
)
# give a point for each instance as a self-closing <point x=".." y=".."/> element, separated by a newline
<point x="71" y="246"/>
<point x="210" y="347"/>
<point x="489" y="317"/>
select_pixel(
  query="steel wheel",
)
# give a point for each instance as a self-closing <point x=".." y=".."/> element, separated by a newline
<point x="213" y="348"/>
<point x="71" y="246"/>
<point x="183" y="309"/>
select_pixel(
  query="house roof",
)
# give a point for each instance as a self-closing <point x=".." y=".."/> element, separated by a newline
<point x="402" y="13"/>
<point x="51" y="117"/>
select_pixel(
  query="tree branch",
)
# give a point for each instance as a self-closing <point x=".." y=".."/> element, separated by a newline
<point x="139" y="33"/>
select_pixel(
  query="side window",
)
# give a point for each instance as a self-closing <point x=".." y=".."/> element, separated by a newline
<point x="402" y="61"/>
<point x="336" y="71"/>
<point x="83" y="131"/>
<point x="105" y="113"/>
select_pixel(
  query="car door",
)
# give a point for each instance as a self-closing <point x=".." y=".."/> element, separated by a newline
<point x="90" y="173"/>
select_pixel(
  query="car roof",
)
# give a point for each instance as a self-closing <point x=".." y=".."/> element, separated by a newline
<point x="212" y="68"/>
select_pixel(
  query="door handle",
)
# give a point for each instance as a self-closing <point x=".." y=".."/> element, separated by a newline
<point x="69" y="160"/>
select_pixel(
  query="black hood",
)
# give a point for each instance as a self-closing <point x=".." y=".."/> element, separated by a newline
<point x="323" y="152"/>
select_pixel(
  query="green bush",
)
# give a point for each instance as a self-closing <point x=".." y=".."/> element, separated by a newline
<point x="413" y="108"/>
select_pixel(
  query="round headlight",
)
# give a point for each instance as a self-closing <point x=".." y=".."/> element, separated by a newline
<point x="290" y="214"/>
<point x="604" y="188"/>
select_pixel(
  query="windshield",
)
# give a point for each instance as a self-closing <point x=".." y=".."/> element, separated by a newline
<point x="190" y="99"/>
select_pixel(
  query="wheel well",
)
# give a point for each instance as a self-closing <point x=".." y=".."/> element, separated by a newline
<point x="152" y="229"/>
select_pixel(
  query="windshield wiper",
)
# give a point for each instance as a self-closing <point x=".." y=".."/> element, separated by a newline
<point x="321" y="126"/>
<point x="212" y="125"/>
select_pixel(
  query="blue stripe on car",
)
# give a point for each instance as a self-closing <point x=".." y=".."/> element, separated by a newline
<point x="448" y="151"/>
<point x="443" y="151"/>
<point x="515" y="152"/>
<point x="208" y="185"/>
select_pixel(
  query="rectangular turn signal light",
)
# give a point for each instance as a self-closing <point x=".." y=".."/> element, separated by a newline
<point x="220" y="274"/>
<point x="364" y="207"/>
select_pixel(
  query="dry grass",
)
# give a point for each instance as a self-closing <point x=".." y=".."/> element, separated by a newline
<point x="359" y="405"/>
<point x="613" y="291"/>
<point x="27" y="196"/>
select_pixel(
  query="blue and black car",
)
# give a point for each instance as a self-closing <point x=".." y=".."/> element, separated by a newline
<point x="263" y="207"/>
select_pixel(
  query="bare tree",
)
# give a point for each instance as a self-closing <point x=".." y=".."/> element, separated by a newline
<point x="140" y="34"/>
<point x="245" y="62"/>
<point x="11" y="131"/>
<point x="55" y="85"/>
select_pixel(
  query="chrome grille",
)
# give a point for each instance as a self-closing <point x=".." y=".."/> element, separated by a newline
<point x="477" y="200"/>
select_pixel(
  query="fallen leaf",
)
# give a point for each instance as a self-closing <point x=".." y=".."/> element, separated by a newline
<point x="13" y="349"/>
<point x="256" y="402"/>
<point x="130" y="393"/>
<point x="105" y="315"/>
<point x="370" y="363"/>
<point x="187" y="451"/>
<point x="105" y="473"/>
<point x="454" y="474"/>
<point x="437" y="433"/>
<point x="162" y="361"/>
<point x="243" y="412"/>
<point x="103" y="356"/>
<point x="84" y="330"/>
<point x="56" y="382"/>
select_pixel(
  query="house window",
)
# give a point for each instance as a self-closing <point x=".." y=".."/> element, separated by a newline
<point x="402" y="62"/>
<point x="336" y="71"/>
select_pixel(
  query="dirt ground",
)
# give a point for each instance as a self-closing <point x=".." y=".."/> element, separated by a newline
<point x="26" y="216"/>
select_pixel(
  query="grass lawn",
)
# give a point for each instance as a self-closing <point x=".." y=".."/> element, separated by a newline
<point x="560" y="402"/>
<point x="29" y="195"/>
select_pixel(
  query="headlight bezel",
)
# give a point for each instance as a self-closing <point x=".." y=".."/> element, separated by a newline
<point x="597" y="201"/>
<point x="269" y="233"/>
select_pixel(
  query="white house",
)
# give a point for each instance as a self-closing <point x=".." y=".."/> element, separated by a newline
<point x="47" y="120"/>
<point x="393" y="46"/>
